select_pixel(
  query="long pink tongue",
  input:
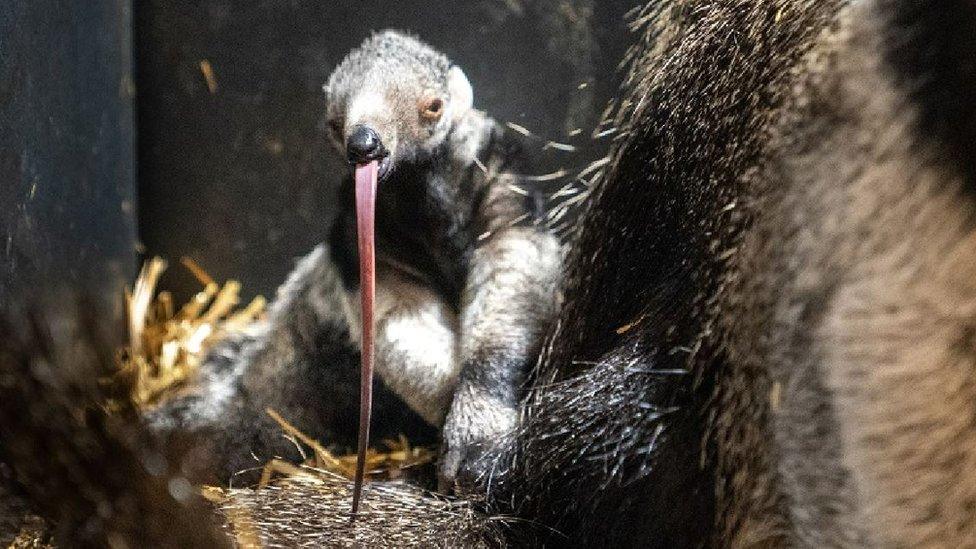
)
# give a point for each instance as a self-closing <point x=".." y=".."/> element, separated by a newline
<point x="366" y="175"/>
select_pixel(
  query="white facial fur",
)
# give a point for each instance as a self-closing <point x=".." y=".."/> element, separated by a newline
<point x="462" y="95"/>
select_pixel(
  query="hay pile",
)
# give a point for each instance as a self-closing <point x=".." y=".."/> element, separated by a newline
<point x="19" y="528"/>
<point x="166" y="346"/>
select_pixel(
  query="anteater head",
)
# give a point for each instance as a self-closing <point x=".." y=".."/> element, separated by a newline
<point x="394" y="99"/>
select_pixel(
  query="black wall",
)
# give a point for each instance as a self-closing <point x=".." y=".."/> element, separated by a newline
<point x="67" y="199"/>
<point x="239" y="177"/>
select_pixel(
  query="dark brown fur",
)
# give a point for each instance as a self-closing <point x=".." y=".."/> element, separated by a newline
<point x="101" y="480"/>
<point x="767" y="337"/>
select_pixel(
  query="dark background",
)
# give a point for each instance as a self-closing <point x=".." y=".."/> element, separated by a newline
<point x="239" y="177"/>
<point x="67" y="204"/>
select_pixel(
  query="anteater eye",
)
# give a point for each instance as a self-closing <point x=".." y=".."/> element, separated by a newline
<point x="433" y="109"/>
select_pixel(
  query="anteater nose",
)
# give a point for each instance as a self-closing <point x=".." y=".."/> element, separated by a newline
<point x="363" y="145"/>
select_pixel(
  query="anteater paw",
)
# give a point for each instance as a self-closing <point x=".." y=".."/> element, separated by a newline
<point x="475" y="448"/>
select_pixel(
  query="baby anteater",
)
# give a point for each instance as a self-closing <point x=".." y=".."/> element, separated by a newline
<point x="466" y="281"/>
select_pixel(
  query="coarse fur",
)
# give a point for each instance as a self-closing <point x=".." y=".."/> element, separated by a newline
<point x="312" y="511"/>
<point x="767" y="333"/>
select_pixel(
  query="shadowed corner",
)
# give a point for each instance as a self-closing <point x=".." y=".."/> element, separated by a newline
<point x="99" y="478"/>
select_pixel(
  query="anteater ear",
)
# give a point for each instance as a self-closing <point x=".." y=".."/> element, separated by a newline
<point x="462" y="96"/>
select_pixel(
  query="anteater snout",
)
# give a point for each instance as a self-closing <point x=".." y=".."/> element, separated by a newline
<point x="364" y="145"/>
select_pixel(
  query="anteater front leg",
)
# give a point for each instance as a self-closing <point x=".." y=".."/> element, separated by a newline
<point x="509" y="300"/>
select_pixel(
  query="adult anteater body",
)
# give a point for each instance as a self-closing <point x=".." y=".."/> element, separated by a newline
<point x="768" y="330"/>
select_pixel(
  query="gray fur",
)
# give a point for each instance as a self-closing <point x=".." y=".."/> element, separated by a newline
<point x="510" y="298"/>
<point x="382" y="84"/>
<point x="470" y="306"/>
<point x="889" y="251"/>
